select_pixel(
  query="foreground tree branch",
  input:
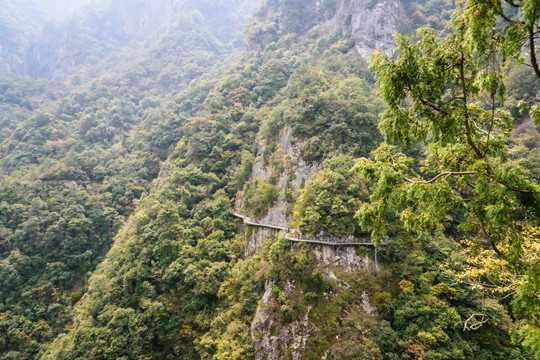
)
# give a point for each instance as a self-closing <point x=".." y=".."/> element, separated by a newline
<point x="444" y="174"/>
<point x="421" y="89"/>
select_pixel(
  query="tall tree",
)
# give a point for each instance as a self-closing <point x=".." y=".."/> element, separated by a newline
<point x="445" y="93"/>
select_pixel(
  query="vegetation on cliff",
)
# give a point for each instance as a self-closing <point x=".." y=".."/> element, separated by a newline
<point x="102" y="259"/>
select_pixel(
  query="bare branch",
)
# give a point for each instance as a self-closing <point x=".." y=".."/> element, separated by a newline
<point x="467" y="326"/>
<point x="465" y="101"/>
<point x="445" y="174"/>
<point x="491" y="174"/>
<point x="426" y="103"/>
<point x="509" y="2"/>
<point x="483" y="131"/>
<point x="503" y="15"/>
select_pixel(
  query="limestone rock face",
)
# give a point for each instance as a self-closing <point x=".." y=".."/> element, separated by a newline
<point x="275" y="340"/>
<point x="300" y="171"/>
<point x="12" y="61"/>
<point x="272" y="339"/>
<point x="370" y="24"/>
<point x="345" y="257"/>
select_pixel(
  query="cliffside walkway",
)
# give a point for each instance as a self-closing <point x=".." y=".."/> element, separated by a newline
<point x="253" y="222"/>
<point x="334" y="241"/>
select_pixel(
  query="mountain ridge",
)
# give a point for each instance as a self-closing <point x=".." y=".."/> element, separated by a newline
<point x="118" y="178"/>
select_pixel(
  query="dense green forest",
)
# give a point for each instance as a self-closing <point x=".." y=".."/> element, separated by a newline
<point x="76" y="155"/>
<point x="117" y="180"/>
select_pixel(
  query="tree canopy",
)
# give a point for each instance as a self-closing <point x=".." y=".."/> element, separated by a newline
<point x="445" y="95"/>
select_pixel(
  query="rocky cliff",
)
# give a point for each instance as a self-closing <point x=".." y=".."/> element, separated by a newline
<point x="272" y="338"/>
<point x="288" y="152"/>
<point x="370" y="24"/>
<point x="12" y="61"/>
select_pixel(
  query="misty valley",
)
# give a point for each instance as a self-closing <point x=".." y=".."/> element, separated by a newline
<point x="270" y="179"/>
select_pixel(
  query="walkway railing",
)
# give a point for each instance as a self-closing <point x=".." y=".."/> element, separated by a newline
<point x="255" y="222"/>
<point x="322" y="240"/>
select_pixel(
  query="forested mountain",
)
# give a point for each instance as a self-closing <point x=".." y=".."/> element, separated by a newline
<point x="40" y="39"/>
<point x="76" y="153"/>
<point x="21" y="22"/>
<point x="147" y="121"/>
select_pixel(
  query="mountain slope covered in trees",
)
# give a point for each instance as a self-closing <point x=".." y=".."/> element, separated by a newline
<point x="77" y="153"/>
<point x="178" y="283"/>
<point x="101" y="258"/>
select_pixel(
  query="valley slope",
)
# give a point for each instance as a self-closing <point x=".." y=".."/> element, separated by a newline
<point x="118" y="178"/>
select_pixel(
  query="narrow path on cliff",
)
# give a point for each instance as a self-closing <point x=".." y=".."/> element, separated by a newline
<point x="321" y="240"/>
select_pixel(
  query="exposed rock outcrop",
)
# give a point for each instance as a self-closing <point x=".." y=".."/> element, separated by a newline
<point x="346" y="257"/>
<point x="370" y="24"/>
<point x="273" y="339"/>
<point x="256" y="237"/>
<point x="12" y="61"/>
<point x="288" y="149"/>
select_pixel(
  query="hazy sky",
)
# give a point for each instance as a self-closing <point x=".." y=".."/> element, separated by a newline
<point x="50" y="9"/>
<point x="63" y="8"/>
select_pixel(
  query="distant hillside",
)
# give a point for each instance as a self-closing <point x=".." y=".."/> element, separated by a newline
<point x="39" y="44"/>
<point x="277" y="138"/>
<point x="21" y="22"/>
<point x="78" y="152"/>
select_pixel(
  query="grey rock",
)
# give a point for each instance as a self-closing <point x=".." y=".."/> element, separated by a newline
<point x="371" y="26"/>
